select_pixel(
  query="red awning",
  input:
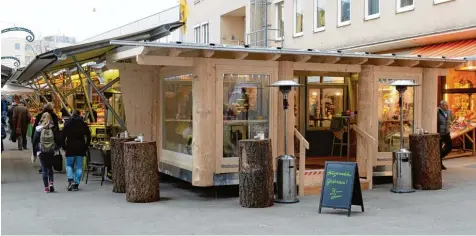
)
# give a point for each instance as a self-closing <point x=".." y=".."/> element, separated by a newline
<point x="457" y="49"/>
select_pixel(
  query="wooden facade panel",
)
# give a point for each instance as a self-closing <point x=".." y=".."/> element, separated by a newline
<point x="139" y="86"/>
<point x="430" y="98"/>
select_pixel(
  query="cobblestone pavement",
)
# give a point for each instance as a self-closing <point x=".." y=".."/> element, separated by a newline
<point x="26" y="209"/>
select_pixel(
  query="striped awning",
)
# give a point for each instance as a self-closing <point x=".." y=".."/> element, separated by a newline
<point x="457" y="49"/>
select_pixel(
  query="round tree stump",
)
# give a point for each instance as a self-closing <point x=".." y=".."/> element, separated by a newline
<point x="117" y="164"/>
<point x="142" y="171"/>
<point x="426" y="162"/>
<point x="256" y="174"/>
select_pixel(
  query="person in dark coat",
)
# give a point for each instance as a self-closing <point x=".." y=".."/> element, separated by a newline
<point x="4" y="134"/>
<point x="76" y="138"/>
<point x="443" y="122"/>
<point x="21" y="119"/>
<point x="10" y="121"/>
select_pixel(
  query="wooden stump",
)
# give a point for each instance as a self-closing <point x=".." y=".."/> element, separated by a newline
<point x="142" y="171"/>
<point x="256" y="174"/>
<point x="426" y="162"/>
<point x="117" y="164"/>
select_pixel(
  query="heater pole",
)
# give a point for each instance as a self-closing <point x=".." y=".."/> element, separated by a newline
<point x="401" y="119"/>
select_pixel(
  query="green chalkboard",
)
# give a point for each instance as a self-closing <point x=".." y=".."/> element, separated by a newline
<point x="341" y="186"/>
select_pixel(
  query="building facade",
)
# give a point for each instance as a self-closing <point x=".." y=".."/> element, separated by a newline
<point x="26" y="51"/>
<point x="355" y="25"/>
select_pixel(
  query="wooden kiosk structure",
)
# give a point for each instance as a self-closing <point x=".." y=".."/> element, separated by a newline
<point x="197" y="101"/>
<point x="221" y="92"/>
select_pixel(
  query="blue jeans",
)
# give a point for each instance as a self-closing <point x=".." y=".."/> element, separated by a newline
<point x="77" y="161"/>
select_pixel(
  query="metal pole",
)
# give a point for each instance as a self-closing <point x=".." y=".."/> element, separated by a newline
<point x="57" y="90"/>
<point x="110" y="84"/>
<point x="401" y="119"/>
<point x="285" y="101"/>
<point x="265" y="23"/>
<point x="87" y="98"/>
<point x="56" y="93"/>
<point x="121" y="122"/>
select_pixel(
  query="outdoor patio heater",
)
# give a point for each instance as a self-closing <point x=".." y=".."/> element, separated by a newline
<point x="402" y="158"/>
<point x="286" y="191"/>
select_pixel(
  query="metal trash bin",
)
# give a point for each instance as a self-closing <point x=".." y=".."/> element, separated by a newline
<point x="402" y="172"/>
<point x="286" y="189"/>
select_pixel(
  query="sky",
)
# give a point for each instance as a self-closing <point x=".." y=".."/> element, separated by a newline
<point x="77" y="18"/>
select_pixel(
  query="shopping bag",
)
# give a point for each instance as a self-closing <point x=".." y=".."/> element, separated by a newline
<point x="58" y="161"/>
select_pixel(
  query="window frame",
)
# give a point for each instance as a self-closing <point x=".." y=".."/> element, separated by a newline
<point x="339" y="14"/>
<point x="366" y="9"/>
<point x="197" y="26"/>
<point x="276" y="20"/>
<point x="436" y="2"/>
<point x="406" y="8"/>
<point x="297" y="34"/>
<point x="316" y="12"/>
<point x="202" y="32"/>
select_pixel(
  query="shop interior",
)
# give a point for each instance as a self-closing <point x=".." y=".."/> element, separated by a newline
<point x="458" y="88"/>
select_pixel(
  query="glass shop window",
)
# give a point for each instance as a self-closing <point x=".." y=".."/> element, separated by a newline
<point x="245" y="110"/>
<point x="177" y="124"/>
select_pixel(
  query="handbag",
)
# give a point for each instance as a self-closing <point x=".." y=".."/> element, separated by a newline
<point x="58" y="161"/>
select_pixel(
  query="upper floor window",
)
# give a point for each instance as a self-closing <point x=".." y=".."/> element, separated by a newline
<point x="206" y="34"/>
<point x="196" y="34"/>
<point x="17" y="46"/>
<point x="405" y="5"/>
<point x="441" y="1"/>
<point x="372" y="9"/>
<point x="319" y="15"/>
<point x="298" y="17"/>
<point x="279" y="19"/>
<point x="343" y="12"/>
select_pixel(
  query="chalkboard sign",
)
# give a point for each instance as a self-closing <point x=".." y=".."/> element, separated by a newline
<point x="341" y="186"/>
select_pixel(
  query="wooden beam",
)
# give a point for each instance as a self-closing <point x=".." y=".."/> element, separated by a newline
<point x="164" y="61"/>
<point x="379" y="62"/>
<point x="300" y="58"/>
<point x="407" y="63"/>
<point x="273" y="57"/>
<point x="326" y="59"/>
<point x="432" y="64"/>
<point x="204" y="118"/>
<point x="121" y="55"/>
<point x="305" y="66"/>
<point x="208" y="53"/>
<point x="241" y="55"/>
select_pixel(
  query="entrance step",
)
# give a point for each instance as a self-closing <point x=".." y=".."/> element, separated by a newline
<point x="313" y="182"/>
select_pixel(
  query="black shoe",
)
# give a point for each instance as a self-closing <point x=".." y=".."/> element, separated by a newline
<point x="75" y="187"/>
<point x="39" y="171"/>
<point x="443" y="167"/>
<point x="52" y="188"/>
<point x="70" y="185"/>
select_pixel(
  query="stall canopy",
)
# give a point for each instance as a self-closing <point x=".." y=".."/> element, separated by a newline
<point x="16" y="89"/>
<point x="62" y="57"/>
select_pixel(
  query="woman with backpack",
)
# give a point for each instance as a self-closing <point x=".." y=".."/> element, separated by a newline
<point x="44" y="146"/>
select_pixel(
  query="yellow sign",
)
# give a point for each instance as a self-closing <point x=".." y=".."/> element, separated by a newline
<point x="184" y="15"/>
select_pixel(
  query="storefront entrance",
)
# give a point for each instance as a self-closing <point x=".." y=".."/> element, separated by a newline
<point x="321" y="99"/>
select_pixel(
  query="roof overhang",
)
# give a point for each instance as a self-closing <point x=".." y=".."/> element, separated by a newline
<point x="184" y="50"/>
<point x="63" y="57"/>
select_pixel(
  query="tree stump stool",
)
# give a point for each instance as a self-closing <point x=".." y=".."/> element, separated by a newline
<point x="117" y="164"/>
<point x="256" y="173"/>
<point x="142" y="171"/>
<point x="426" y="162"/>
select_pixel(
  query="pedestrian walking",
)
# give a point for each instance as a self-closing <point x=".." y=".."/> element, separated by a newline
<point x="75" y="138"/>
<point x="48" y="108"/>
<point x="10" y="121"/>
<point x="21" y="119"/>
<point x="443" y="122"/>
<point x="45" y="146"/>
<point x="4" y="134"/>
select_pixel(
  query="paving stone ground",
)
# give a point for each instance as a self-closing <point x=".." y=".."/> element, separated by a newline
<point x="26" y="209"/>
